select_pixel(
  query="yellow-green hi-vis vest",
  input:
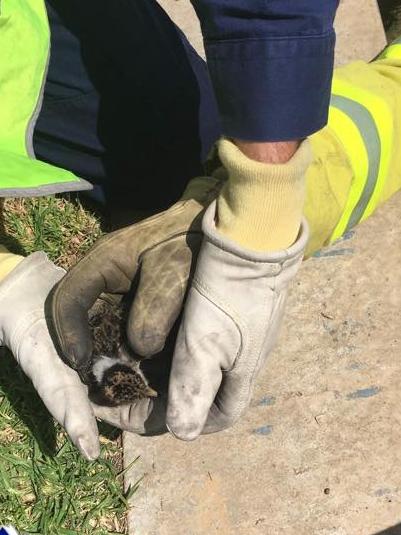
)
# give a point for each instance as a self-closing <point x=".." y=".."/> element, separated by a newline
<point x="357" y="157"/>
<point x="24" y="54"/>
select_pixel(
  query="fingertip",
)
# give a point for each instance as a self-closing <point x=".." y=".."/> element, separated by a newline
<point x="184" y="423"/>
<point x="89" y="449"/>
<point x="80" y="425"/>
<point x="190" y="398"/>
<point x="187" y="433"/>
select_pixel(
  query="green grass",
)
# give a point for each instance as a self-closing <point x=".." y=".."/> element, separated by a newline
<point x="61" y="227"/>
<point x="45" y="486"/>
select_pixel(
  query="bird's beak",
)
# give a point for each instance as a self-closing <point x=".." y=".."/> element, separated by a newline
<point x="150" y="393"/>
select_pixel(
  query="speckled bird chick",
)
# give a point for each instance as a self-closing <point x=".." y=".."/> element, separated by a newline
<point x="116" y="377"/>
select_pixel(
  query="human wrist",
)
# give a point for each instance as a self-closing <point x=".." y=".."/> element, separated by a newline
<point x="268" y="152"/>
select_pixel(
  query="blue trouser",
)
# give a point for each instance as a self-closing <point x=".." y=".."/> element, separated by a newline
<point x="128" y="103"/>
<point x="271" y="63"/>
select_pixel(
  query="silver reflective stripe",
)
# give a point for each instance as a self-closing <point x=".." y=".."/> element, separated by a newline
<point x="366" y="125"/>
<point x="47" y="189"/>
<point x="396" y="42"/>
<point x="32" y="121"/>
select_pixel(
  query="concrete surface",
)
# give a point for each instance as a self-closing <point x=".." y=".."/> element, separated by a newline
<point x="318" y="451"/>
<point x="359" y="29"/>
<point x="183" y="14"/>
<point x="360" y="32"/>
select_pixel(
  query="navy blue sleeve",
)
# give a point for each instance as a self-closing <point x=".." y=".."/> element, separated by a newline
<point x="271" y="65"/>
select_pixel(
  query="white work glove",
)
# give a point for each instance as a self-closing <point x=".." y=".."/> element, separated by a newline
<point x="230" y="324"/>
<point x="23" y="329"/>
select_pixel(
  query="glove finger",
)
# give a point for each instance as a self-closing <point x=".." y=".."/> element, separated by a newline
<point x="60" y="389"/>
<point x="196" y="373"/>
<point x="80" y="425"/>
<point x="194" y="383"/>
<point x="104" y="269"/>
<point x="126" y="417"/>
<point x="208" y="342"/>
<point x="160" y="294"/>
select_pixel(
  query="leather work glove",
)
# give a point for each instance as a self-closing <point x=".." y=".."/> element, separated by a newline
<point x="236" y="300"/>
<point x="230" y="324"/>
<point x="24" y="330"/>
<point x="160" y="251"/>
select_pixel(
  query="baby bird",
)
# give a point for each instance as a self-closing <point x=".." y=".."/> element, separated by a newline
<point x="116" y="377"/>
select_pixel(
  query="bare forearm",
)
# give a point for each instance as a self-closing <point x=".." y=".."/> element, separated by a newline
<point x="268" y="152"/>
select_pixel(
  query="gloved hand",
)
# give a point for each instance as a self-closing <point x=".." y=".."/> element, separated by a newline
<point x="236" y="301"/>
<point x="161" y="251"/>
<point x="23" y="329"/>
<point x="230" y="324"/>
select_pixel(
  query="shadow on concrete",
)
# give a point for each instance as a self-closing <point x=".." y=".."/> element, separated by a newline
<point x="391" y="14"/>
<point x="393" y="530"/>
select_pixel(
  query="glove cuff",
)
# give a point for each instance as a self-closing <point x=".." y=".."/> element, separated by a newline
<point x="261" y="205"/>
<point x="34" y="275"/>
<point x="37" y="261"/>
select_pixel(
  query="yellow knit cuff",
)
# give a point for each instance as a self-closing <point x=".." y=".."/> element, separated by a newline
<point x="261" y="205"/>
<point x="8" y="262"/>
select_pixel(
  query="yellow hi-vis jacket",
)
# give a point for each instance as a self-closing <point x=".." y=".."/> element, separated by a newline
<point x="357" y="157"/>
